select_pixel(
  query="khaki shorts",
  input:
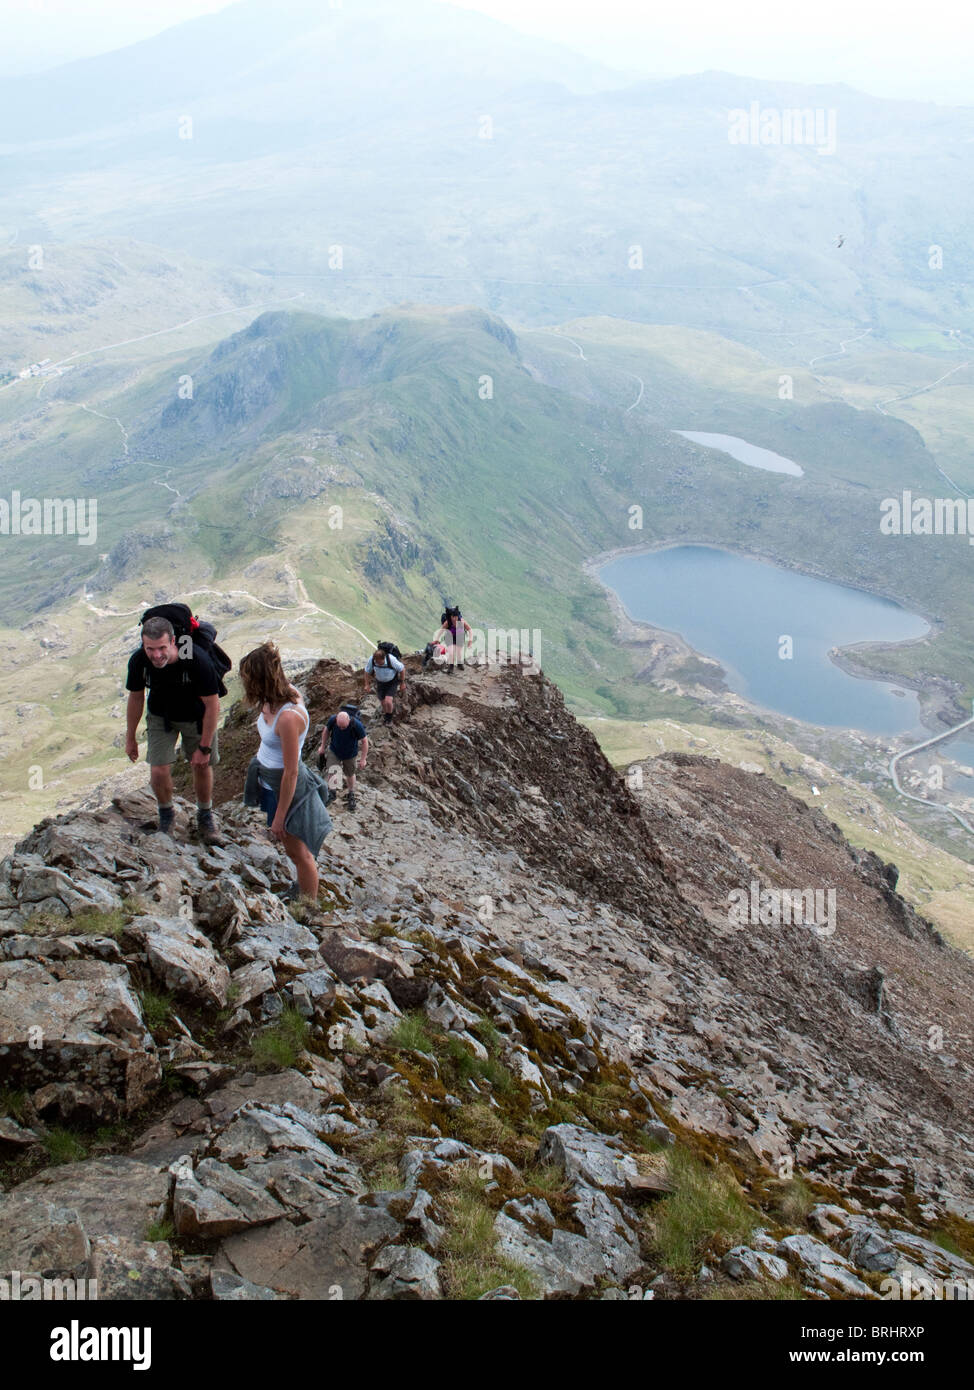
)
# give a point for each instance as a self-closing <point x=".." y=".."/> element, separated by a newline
<point x="333" y="760"/>
<point x="161" y="746"/>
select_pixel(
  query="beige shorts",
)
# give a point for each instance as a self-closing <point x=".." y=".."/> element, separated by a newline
<point x="161" y="745"/>
<point x="333" y="760"/>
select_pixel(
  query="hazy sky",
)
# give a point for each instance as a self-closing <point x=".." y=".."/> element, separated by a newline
<point x="879" y="46"/>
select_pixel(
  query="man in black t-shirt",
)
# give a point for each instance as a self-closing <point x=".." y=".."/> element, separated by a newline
<point x="184" y="703"/>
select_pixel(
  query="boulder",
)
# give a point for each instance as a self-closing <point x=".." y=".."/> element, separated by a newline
<point x="110" y="1196"/>
<point x="15" y="1137"/>
<point x="182" y="958"/>
<point x="249" y="982"/>
<point x="744" y="1263"/>
<point x="76" y="1021"/>
<point x="562" y="1262"/>
<point x="270" y="934"/>
<point x="326" y="1258"/>
<point x="608" y="1230"/>
<point x="228" y="1287"/>
<point x="215" y="1200"/>
<point x="584" y="1156"/>
<point x="72" y="1103"/>
<point x="362" y="960"/>
<point x="129" y="1270"/>
<point x="42" y="1238"/>
<point x="871" y="1247"/>
<point x="410" y="1274"/>
<point x="448" y="1153"/>
<point x="819" y="1265"/>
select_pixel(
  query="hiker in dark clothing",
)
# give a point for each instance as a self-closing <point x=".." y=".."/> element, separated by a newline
<point x="457" y="635"/>
<point x="389" y="674"/>
<point x="341" y="739"/>
<point x="184" y="704"/>
<point x="291" y="794"/>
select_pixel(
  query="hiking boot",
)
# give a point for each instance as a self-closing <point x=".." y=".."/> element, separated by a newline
<point x="167" y="819"/>
<point x="288" y="894"/>
<point x="387" y="718"/>
<point x="206" y="829"/>
<point x="351" y="801"/>
<point x="459" y="665"/>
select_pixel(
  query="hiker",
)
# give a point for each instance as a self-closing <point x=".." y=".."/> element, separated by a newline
<point x="343" y="735"/>
<point x="184" y="704"/>
<point x="386" y="669"/>
<point x="456" y="633"/>
<point x="291" y="794"/>
<point x="432" y="653"/>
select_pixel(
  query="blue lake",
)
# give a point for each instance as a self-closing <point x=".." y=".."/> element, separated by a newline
<point x="736" y="608"/>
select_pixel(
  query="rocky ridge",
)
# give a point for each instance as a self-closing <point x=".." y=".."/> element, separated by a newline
<point x="516" y="1031"/>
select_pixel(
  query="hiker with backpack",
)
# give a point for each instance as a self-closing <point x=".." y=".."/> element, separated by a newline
<point x="291" y="794"/>
<point x="386" y="669"/>
<point x="456" y="633"/>
<point x="180" y="664"/>
<point x="342" y="737"/>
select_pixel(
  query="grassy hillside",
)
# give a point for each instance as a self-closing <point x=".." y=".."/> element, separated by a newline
<point x="468" y="462"/>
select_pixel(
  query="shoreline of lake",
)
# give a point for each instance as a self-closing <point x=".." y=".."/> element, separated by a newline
<point x="937" y="697"/>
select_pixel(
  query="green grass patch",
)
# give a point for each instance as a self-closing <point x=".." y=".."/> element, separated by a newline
<point x="411" y="1033"/>
<point x="13" y="1103"/>
<point x="794" y="1201"/>
<point x="278" y="1047"/>
<point x="160" y="1230"/>
<point x="91" y="922"/>
<point x="156" y="1008"/>
<point x="63" y="1147"/>
<point x="471" y="1265"/>
<point x="489" y="1035"/>
<point x="543" y="1178"/>
<point x="385" y="1177"/>
<point x="704" y="1210"/>
<point x="485" y="1128"/>
<point x="947" y="1242"/>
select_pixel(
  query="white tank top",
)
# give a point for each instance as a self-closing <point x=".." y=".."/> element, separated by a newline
<point x="270" y="753"/>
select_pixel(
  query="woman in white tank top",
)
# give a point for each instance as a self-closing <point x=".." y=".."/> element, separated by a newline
<point x="283" y="726"/>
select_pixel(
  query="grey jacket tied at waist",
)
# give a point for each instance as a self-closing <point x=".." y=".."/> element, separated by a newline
<point x="306" y="819"/>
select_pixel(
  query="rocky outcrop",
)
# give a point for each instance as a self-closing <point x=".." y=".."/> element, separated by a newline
<point x="519" y="1009"/>
<point x="76" y="1021"/>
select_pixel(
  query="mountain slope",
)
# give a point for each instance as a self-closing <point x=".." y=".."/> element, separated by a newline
<point x="562" y="954"/>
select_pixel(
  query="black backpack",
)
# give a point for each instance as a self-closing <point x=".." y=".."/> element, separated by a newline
<point x="351" y="709"/>
<point x="202" y="635"/>
<point x="449" y="613"/>
<point x="390" y="649"/>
